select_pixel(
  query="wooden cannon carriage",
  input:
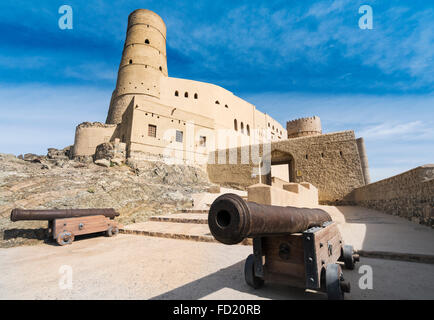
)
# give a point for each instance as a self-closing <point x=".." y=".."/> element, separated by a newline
<point x="297" y="246"/>
<point x="65" y="224"/>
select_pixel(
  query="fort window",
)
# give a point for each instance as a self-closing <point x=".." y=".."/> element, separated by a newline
<point x="235" y="125"/>
<point x="186" y="94"/>
<point x="202" y="141"/>
<point x="179" y="136"/>
<point x="268" y="124"/>
<point x="248" y="130"/>
<point x="322" y="154"/>
<point x="307" y="157"/>
<point x="147" y="41"/>
<point x="152" y="130"/>
<point x="340" y="152"/>
<point x="195" y="95"/>
<point x="242" y="127"/>
<point x="226" y="106"/>
<point x="176" y="93"/>
<point x="131" y="61"/>
<point x="161" y="69"/>
<point x="217" y="102"/>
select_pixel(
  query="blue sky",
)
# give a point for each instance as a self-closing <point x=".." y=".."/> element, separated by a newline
<point x="289" y="58"/>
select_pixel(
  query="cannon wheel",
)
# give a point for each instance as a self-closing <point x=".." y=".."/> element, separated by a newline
<point x="333" y="276"/>
<point x="65" y="238"/>
<point x="249" y="273"/>
<point x="112" y="231"/>
<point x="348" y="256"/>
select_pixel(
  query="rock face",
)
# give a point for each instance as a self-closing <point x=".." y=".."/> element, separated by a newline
<point x="112" y="151"/>
<point x="137" y="190"/>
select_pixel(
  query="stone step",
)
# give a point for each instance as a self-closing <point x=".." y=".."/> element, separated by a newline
<point x="174" y="230"/>
<point x="193" y="211"/>
<point x="199" y="218"/>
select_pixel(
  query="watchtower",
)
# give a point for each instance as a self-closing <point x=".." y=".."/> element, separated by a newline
<point x="302" y="127"/>
<point x="143" y="62"/>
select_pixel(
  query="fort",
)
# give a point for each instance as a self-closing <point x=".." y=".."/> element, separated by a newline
<point x="151" y="113"/>
<point x="152" y="116"/>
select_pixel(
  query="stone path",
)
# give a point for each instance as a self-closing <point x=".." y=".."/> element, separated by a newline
<point x="372" y="233"/>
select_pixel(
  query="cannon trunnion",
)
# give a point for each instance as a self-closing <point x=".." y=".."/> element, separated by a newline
<point x="300" y="247"/>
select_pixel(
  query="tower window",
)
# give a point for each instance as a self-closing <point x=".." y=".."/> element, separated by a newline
<point x="242" y="127"/>
<point x="235" y="125"/>
<point x="226" y="106"/>
<point x="176" y="93"/>
<point x="161" y="69"/>
<point x="217" y="102"/>
<point x="186" y="94"/>
<point x="147" y="41"/>
<point x="131" y="61"/>
<point x="248" y="130"/>
<point x="152" y="130"/>
<point x="179" y="136"/>
<point x="195" y="96"/>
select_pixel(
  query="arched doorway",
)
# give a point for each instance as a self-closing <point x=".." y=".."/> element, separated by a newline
<point x="282" y="167"/>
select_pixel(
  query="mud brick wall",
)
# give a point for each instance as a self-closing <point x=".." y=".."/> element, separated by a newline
<point x="330" y="162"/>
<point x="409" y="195"/>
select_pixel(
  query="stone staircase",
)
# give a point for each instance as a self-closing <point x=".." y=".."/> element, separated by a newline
<point x="187" y="224"/>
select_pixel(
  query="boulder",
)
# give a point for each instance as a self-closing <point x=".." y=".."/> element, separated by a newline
<point x="103" y="162"/>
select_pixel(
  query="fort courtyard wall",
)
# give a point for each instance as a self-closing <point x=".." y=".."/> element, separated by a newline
<point x="330" y="162"/>
<point x="409" y="195"/>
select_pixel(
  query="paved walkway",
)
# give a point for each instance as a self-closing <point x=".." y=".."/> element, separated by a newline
<point x="138" y="267"/>
<point x="372" y="233"/>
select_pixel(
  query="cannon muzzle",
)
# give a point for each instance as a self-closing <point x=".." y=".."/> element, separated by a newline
<point x="51" y="214"/>
<point x="231" y="219"/>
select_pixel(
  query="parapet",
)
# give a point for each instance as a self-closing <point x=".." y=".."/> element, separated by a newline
<point x="302" y="127"/>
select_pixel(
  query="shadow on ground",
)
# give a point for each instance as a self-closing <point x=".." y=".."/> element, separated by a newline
<point x="217" y="285"/>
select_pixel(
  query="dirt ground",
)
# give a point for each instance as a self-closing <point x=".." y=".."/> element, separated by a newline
<point x="138" y="267"/>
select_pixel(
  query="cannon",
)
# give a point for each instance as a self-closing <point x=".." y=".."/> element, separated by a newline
<point x="65" y="224"/>
<point x="300" y="247"/>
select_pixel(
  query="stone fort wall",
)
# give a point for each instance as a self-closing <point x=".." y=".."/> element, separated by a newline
<point x="409" y="195"/>
<point x="330" y="162"/>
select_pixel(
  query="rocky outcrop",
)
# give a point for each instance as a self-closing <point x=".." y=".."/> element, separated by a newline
<point x="137" y="190"/>
<point x="114" y="152"/>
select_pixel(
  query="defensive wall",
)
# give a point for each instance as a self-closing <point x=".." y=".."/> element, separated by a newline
<point x="330" y="162"/>
<point x="409" y="195"/>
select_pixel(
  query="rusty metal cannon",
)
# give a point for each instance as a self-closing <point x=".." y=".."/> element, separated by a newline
<point x="65" y="224"/>
<point x="301" y="247"/>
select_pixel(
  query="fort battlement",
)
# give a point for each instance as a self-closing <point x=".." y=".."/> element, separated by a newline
<point x="310" y="126"/>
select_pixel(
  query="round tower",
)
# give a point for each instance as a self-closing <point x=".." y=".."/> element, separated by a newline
<point x="304" y="127"/>
<point x="143" y="62"/>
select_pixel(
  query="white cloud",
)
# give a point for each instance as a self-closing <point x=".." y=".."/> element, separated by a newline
<point x="414" y="130"/>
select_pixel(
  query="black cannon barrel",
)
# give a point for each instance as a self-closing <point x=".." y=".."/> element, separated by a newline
<point x="231" y="219"/>
<point x="51" y="214"/>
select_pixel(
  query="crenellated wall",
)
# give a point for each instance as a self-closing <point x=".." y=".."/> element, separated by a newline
<point x="304" y="127"/>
